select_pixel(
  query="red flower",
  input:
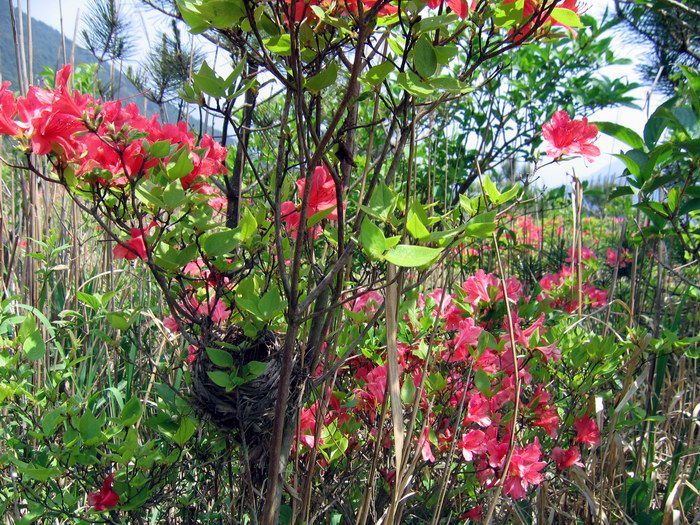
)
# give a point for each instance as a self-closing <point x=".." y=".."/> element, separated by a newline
<point x="321" y="198"/>
<point x="459" y="7"/>
<point x="105" y="498"/>
<point x="133" y="248"/>
<point x="524" y="470"/>
<point x="566" y="458"/>
<point x="566" y="136"/>
<point x="424" y="446"/>
<point x="322" y="194"/>
<point x="587" y="432"/>
<point x="8" y="109"/>
<point x="472" y="443"/>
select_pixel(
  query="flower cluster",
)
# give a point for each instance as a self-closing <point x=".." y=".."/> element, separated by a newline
<point x="455" y="352"/>
<point x="110" y="145"/>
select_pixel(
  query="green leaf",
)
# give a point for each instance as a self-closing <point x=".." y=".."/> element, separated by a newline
<point x="89" y="426"/>
<point x="491" y="190"/>
<point x="408" y="390"/>
<point x="483" y="382"/>
<point x="378" y="73"/>
<point x="219" y="378"/>
<point x="179" y="165"/>
<point x="416" y="222"/>
<point x="408" y="256"/>
<point x="279" y="45"/>
<point x="566" y="17"/>
<point x="327" y="77"/>
<point x="185" y="431"/>
<point x="159" y="149"/>
<point x="50" y="421"/>
<point x="34" y="345"/>
<point x="254" y="369"/>
<point x="207" y="81"/>
<point x="131" y="412"/>
<point x="220" y="243"/>
<point x="413" y="84"/>
<point x="118" y="320"/>
<point x="271" y="304"/>
<point x="690" y="206"/>
<point x="220" y="358"/>
<point x="621" y="133"/>
<point x="383" y="202"/>
<point x="174" y="195"/>
<point x="247" y="228"/>
<point x="481" y="226"/>
<point x="425" y="58"/>
<point x="372" y="239"/>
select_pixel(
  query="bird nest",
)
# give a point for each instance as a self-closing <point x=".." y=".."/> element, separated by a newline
<point x="250" y="407"/>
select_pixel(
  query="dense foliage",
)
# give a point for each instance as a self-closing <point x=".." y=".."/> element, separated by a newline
<point x="355" y="312"/>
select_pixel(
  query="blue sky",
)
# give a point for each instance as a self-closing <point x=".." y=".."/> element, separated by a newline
<point x="147" y="24"/>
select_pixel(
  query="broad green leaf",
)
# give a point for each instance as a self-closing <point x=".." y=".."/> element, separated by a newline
<point x="89" y="426"/>
<point x="50" y="421"/>
<point x="158" y="149"/>
<point x="131" y="412"/>
<point x="408" y="256"/>
<point x="378" y="73"/>
<point x="481" y="226"/>
<point x="413" y="84"/>
<point x="220" y="358"/>
<point x="254" y="369"/>
<point x="383" y="202"/>
<point x="185" y="431"/>
<point x="207" y="81"/>
<point x="219" y="378"/>
<point x="621" y="133"/>
<point x="327" y="77"/>
<point x="372" y="239"/>
<point x="247" y="227"/>
<point x="483" y="382"/>
<point x="566" y="17"/>
<point x="491" y="190"/>
<point x="271" y="304"/>
<point x="220" y="243"/>
<point x="174" y="195"/>
<point x="408" y="390"/>
<point x="424" y="58"/>
<point x="415" y="222"/>
<point x="279" y="45"/>
<point x="34" y="345"/>
<point x="118" y="320"/>
<point x="179" y="165"/>
<point x="690" y="206"/>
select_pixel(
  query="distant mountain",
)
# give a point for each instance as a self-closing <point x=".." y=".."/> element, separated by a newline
<point x="47" y="48"/>
<point x="48" y="52"/>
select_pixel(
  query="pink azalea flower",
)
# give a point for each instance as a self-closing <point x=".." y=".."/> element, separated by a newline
<point x="133" y="248"/>
<point x="472" y="444"/>
<point x="459" y="7"/>
<point x="566" y="458"/>
<point x="467" y="336"/>
<point x="424" y="445"/>
<point x="549" y="352"/>
<point x="570" y="137"/>
<point x="587" y="432"/>
<point x="478" y="411"/>
<point x="105" y="498"/>
<point x="524" y="470"/>
<point x="8" y="110"/>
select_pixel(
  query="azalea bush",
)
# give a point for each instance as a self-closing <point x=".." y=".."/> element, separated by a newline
<point x="344" y="346"/>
